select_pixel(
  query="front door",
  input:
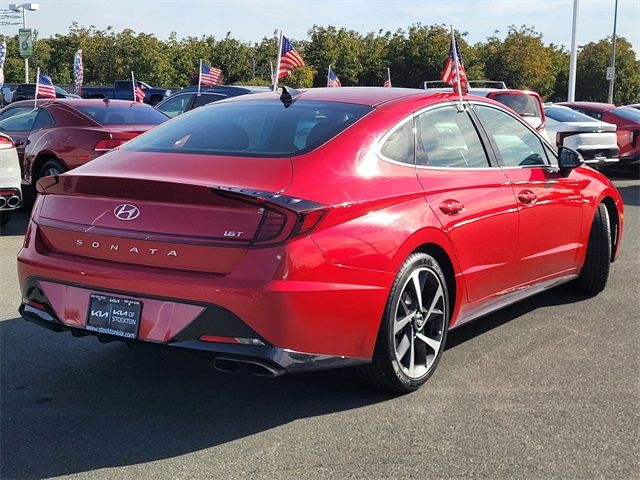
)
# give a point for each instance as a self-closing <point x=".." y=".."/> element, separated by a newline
<point x="550" y="205"/>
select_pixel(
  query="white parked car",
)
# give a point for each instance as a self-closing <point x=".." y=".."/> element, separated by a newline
<point x="595" y="140"/>
<point x="10" y="193"/>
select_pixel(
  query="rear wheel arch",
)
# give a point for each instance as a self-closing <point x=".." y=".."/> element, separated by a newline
<point x="39" y="162"/>
<point x="614" y="222"/>
<point x="441" y="256"/>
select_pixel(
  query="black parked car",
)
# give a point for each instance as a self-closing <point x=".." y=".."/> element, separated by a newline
<point x="123" y="90"/>
<point x="26" y="91"/>
<point x="188" y="99"/>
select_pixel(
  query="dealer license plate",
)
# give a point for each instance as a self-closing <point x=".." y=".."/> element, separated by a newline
<point x="114" y="316"/>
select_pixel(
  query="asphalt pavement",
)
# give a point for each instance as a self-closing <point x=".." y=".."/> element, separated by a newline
<point x="548" y="388"/>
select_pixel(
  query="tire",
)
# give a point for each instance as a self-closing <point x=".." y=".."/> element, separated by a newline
<point x="409" y="332"/>
<point x="595" y="271"/>
<point x="51" y="167"/>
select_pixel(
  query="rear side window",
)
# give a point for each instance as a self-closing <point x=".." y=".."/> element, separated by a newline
<point x="627" y="113"/>
<point x="128" y="114"/>
<point x="448" y="138"/>
<point x="516" y="144"/>
<point x="207" y="98"/>
<point x="523" y="105"/>
<point x="258" y="128"/>
<point x="398" y="146"/>
<point x="563" y="114"/>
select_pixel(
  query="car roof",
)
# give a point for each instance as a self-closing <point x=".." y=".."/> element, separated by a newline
<point x="603" y="107"/>
<point x="74" y="102"/>
<point x="367" y="96"/>
<point x="223" y="89"/>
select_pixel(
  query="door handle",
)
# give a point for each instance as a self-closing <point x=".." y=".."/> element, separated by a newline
<point x="527" y="196"/>
<point x="451" y="207"/>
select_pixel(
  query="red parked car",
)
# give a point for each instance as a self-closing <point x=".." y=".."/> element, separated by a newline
<point x="627" y="120"/>
<point x="325" y="228"/>
<point x="63" y="134"/>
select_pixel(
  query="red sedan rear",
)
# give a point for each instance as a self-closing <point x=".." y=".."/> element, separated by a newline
<point x="334" y="227"/>
<point x="63" y="134"/>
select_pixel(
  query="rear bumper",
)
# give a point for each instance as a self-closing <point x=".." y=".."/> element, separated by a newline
<point x="278" y="360"/>
<point x="308" y="312"/>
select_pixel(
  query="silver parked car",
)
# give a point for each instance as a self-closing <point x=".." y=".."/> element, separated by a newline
<point x="595" y="140"/>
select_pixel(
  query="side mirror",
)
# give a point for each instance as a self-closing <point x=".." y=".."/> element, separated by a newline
<point x="569" y="159"/>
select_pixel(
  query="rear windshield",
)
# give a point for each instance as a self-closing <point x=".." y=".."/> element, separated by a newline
<point x="127" y="114"/>
<point x="524" y="105"/>
<point x="567" y="115"/>
<point x="627" y="113"/>
<point x="257" y="128"/>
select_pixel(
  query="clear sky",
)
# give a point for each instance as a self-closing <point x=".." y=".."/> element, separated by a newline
<point x="251" y="20"/>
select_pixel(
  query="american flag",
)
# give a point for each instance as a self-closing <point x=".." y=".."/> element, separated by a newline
<point x="449" y="74"/>
<point x="332" y="79"/>
<point x="3" y="54"/>
<point x="289" y="59"/>
<point x="78" y="73"/>
<point x="209" y="76"/>
<point x="44" y="86"/>
<point x="387" y="82"/>
<point x="139" y="93"/>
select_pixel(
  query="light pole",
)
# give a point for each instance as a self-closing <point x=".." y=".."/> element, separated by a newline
<point x="613" y="54"/>
<point x="23" y="7"/>
<point x="573" y="59"/>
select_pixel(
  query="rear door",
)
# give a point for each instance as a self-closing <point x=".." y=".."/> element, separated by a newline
<point x="550" y="205"/>
<point x="471" y="197"/>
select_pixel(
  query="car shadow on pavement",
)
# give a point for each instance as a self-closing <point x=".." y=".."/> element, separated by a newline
<point x="630" y="195"/>
<point x="72" y="405"/>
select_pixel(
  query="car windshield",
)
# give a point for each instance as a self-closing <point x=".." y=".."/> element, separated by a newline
<point x="127" y="114"/>
<point x="257" y="128"/>
<point x="627" y="113"/>
<point x="562" y="114"/>
<point x="522" y="104"/>
<point x="60" y="90"/>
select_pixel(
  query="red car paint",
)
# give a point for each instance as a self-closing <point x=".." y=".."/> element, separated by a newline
<point x="68" y="136"/>
<point x="627" y="131"/>
<point x="345" y="220"/>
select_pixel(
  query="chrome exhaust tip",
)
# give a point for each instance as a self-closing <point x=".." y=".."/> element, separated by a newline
<point x="14" y="201"/>
<point x="3" y="202"/>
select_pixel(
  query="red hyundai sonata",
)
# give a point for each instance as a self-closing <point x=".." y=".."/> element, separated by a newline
<point x="55" y="136"/>
<point x="317" y="229"/>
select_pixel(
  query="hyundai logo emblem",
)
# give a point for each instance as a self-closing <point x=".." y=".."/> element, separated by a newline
<point x="126" y="211"/>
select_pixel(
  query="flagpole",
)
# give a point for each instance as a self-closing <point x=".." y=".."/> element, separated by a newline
<point x="133" y="86"/>
<point x="389" y="75"/>
<point x="35" y="98"/>
<point x="277" y="70"/>
<point x="328" y="75"/>
<point x="455" y="60"/>
<point x="199" y="77"/>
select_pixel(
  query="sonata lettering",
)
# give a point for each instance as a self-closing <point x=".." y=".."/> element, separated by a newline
<point x="137" y="250"/>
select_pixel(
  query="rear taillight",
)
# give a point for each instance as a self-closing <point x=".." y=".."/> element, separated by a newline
<point x="5" y="142"/>
<point x="108" y="144"/>
<point x="284" y="217"/>
<point x="560" y="136"/>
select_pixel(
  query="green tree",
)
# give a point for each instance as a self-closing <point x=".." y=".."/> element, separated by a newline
<point x="521" y="60"/>
<point x="593" y="60"/>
